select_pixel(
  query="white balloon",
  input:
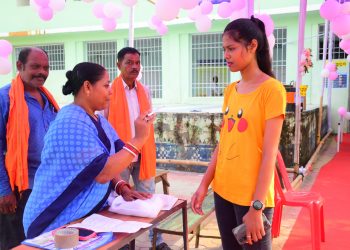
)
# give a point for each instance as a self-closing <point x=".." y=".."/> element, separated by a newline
<point x="5" y="66"/>
<point x="348" y="58"/>
<point x="129" y="3"/>
<point x="325" y="73"/>
<point x="111" y="10"/>
<point x="57" y="5"/>
<point x="203" y="23"/>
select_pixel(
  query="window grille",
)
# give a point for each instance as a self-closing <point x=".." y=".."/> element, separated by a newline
<point x="105" y="54"/>
<point x="22" y="2"/>
<point x="55" y="53"/>
<point x="279" y="60"/>
<point x="151" y="61"/>
<point x="210" y="74"/>
<point x="337" y="52"/>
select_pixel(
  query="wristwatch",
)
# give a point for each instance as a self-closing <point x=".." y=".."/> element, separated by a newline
<point x="257" y="205"/>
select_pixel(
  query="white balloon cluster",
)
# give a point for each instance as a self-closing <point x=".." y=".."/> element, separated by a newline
<point x="330" y="71"/>
<point x="47" y="8"/>
<point x="5" y="51"/>
<point x="108" y="13"/>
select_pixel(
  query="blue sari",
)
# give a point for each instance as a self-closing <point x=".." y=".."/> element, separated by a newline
<point x="64" y="186"/>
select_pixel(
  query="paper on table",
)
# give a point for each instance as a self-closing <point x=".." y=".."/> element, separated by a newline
<point x="143" y="208"/>
<point x="99" y="223"/>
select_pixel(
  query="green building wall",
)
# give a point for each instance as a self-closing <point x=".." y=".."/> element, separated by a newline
<point x="76" y="25"/>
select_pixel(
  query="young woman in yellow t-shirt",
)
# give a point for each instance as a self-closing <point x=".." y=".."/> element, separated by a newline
<point x="242" y="166"/>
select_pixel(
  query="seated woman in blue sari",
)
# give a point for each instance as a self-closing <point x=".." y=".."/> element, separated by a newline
<point x="82" y="155"/>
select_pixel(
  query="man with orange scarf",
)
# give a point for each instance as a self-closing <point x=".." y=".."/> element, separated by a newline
<point x="26" y="110"/>
<point x="129" y="99"/>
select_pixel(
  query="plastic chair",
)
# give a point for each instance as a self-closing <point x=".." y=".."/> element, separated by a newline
<point x="311" y="200"/>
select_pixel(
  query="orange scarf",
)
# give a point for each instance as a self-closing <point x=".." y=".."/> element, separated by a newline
<point x="17" y="135"/>
<point x="119" y="118"/>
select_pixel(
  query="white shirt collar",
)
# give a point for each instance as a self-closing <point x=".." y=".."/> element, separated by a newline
<point x="127" y="87"/>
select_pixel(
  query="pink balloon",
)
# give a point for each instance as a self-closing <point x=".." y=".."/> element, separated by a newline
<point x="237" y="4"/>
<point x="268" y="22"/>
<point x="5" y="48"/>
<point x="330" y="9"/>
<point x="109" y="24"/>
<point x="331" y="67"/>
<point x="206" y="7"/>
<point x="5" y="66"/>
<point x="340" y="25"/>
<point x="156" y="21"/>
<point x="342" y="111"/>
<point x="97" y="10"/>
<point x="345" y="8"/>
<point x="188" y="4"/>
<point x="42" y="3"/>
<point x="195" y="13"/>
<point x="239" y="14"/>
<point x="46" y="14"/>
<point x="167" y="10"/>
<point x="130" y="3"/>
<point x="162" y="29"/>
<point x="203" y="23"/>
<point x="345" y="44"/>
<point x="112" y="10"/>
<point x="225" y="10"/>
<point x="333" y="75"/>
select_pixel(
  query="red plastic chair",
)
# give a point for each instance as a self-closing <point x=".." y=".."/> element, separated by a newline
<point x="311" y="200"/>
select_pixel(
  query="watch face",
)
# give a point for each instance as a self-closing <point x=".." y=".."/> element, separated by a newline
<point x="257" y="205"/>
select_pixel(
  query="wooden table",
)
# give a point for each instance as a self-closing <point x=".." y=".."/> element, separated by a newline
<point x="124" y="238"/>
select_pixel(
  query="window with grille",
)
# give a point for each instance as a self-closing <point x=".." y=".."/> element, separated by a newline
<point x="105" y="54"/>
<point x="337" y="52"/>
<point x="55" y="53"/>
<point x="279" y="60"/>
<point x="151" y="61"/>
<point x="210" y="75"/>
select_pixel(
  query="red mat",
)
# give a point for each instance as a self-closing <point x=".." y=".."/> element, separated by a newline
<point x="333" y="183"/>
